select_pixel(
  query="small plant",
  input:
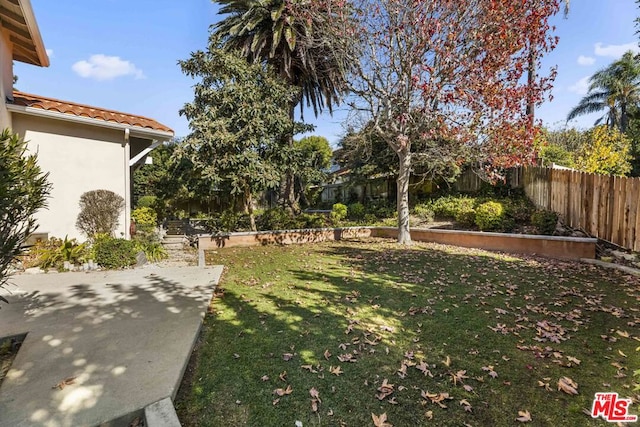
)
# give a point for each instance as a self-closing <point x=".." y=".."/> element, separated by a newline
<point x="114" y="253"/>
<point x="545" y="221"/>
<point x="489" y="216"/>
<point x="54" y="252"/>
<point x="145" y="216"/>
<point x="153" y="250"/>
<point x="99" y="212"/>
<point x="338" y="213"/>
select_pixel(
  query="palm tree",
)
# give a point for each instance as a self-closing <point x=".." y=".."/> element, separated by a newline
<point x="615" y="90"/>
<point x="268" y="30"/>
<point x="294" y="44"/>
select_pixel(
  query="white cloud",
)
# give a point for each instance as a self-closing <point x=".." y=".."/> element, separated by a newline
<point x="581" y="87"/>
<point x="102" y="67"/>
<point x="615" y="50"/>
<point x="50" y="53"/>
<point x="586" y="60"/>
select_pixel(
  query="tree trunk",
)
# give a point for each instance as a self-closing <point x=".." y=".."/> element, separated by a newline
<point x="531" y="80"/>
<point x="248" y="208"/>
<point x="287" y="190"/>
<point x="404" y="173"/>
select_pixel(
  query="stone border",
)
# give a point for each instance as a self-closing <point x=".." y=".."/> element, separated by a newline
<point x="574" y="248"/>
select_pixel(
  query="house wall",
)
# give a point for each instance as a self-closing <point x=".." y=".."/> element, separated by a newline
<point x="6" y="75"/>
<point x="78" y="158"/>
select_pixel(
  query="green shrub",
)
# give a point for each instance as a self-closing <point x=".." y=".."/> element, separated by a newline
<point x="145" y="216"/>
<point x="147" y="202"/>
<point x="114" y="253"/>
<point x="490" y="216"/>
<point x="338" y="212"/>
<point x="545" y="221"/>
<point x="519" y="209"/>
<point x="23" y="191"/>
<point x="370" y="219"/>
<point x="311" y="221"/>
<point x="275" y="219"/>
<point x="99" y="212"/>
<point x="356" y="211"/>
<point x="449" y="206"/>
<point x="54" y="252"/>
<point x="381" y="209"/>
<point x="230" y="221"/>
<point x="465" y="216"/>
<point x="424" y="212"/>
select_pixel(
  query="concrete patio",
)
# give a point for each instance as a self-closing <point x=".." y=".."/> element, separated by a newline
<point x="126" y="337"/>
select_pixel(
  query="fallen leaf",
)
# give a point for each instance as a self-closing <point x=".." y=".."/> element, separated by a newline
<point x="524" y="416"/>
<point x="67" y="381"/>
<point x="573" y="360"/>
<point x="447" y="362"/>
<point x="567" y="385"/>
<point x="458" y="377"/>
<point x="327" y="355"/>
<point x="621" y="353"/>
<point x="428" y="415"/>
<point x="282" y="392"/>
<point x="315" y="394"/>
<point x="309" y="368"/>
<point x="265" y="378"/>
<point x="336" y="371"/>
<point x="283" y="376"/>
<point x="380" y="420"/>
<point x="276" y="401"/>
<point x="287" y="356"/>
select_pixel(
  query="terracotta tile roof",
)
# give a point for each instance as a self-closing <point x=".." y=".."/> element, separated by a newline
<point x="80" y="110"/>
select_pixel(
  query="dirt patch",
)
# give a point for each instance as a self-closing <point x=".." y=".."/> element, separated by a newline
<point x="8" y="350"/>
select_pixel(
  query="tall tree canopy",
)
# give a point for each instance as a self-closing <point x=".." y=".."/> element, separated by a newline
<point x="614" y="90"/>
<point x="237" y="120"/>
<point x="293" y="38"/>
<point x="447" y="71"/>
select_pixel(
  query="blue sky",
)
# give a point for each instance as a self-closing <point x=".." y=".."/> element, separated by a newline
<point x="122" y="55"/>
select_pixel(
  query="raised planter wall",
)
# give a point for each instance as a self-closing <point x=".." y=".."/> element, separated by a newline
<point x="282" y="237"/>
<point x="548" y="246"/>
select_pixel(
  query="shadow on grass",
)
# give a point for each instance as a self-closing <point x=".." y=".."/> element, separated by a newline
<point x="285" y="308"/>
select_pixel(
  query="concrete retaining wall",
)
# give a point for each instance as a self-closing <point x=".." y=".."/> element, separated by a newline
<point x="282" y="237"/>
<point x="548" y="246"/>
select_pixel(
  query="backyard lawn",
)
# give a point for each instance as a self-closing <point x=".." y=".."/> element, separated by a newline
<point x="356" y="333"/>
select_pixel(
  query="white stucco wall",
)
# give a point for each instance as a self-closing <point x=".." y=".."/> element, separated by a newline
<point x="79" y="158"/>
<point x="6" y="77"/>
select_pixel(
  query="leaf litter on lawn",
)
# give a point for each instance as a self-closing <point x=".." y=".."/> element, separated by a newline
<point x="431" y="317"/>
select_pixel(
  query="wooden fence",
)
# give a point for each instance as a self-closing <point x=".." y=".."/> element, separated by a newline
<point x="603" y="206"/>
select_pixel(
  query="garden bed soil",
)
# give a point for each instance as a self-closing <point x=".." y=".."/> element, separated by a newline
<point x="8" y="350"/>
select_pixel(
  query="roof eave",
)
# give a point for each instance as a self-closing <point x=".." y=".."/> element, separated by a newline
<point x="135" y="131"/>
<point x="34" y="30"/>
